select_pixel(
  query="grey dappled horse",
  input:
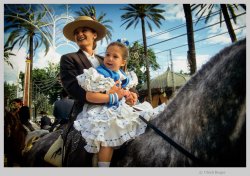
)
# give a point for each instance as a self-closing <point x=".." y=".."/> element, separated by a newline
<point x="207" y="117"/>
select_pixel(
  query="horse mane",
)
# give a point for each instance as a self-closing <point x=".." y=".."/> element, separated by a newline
<point x="207" y="117"/>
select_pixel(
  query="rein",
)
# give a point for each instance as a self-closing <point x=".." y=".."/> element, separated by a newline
<point x="174" y="144"/>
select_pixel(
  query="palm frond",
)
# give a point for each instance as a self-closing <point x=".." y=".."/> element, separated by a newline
<point x="232" y="13"/>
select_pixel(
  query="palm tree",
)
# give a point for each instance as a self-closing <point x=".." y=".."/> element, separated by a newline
<point x="143" y="13"/>
<point x="136" y="62"/>
<point x="190" y="38"/>
<point x="7" y="54"/>
<point x="27" y="29"/>
<point x="225" y="10"/>
<point x="91" y="11"/>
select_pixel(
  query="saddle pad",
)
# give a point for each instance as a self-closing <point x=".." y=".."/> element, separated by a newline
<point x="54" y="154"/>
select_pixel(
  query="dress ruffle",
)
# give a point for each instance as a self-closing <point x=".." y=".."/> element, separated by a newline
<point x="110" y="126"/>
<point x="102" y="126"/>
<point x="93" y="81"/>
<point x="133" y="80"/>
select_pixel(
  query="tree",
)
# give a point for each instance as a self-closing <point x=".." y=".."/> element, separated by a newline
<point x="136" y="62"/>
<point x="46" y="87"/>
<point x="91" y="11"/>
<point x="190" y="38"/>
<point x="225" y="10"/>
<point x="7" y="54"/>
<point x="143" y="13"/>
<point x="10" y="92"/>
<point x="26" y="26"/>
<point x="45" y="81"/>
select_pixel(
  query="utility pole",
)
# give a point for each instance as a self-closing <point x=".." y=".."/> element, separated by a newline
<point x="172" y="71"/>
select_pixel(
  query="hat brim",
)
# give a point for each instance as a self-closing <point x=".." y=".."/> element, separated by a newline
<point x="69" y="29"/>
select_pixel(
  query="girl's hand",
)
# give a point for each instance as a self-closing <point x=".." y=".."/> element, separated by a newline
<point x="115" y="88"/>
<point x="131" y="98"/>
<point x="118" y="90"/>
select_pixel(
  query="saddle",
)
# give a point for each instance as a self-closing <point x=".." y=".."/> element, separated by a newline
<point x="54" y="155"/>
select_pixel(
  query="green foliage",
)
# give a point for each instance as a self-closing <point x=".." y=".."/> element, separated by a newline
<point x="26" y="24"/>
<point x="10" y="92"/>
<point x="136" y="12"/>
<point x="7" y="54"/>
<point x="45" y="82"/>
<point x="202" y="8"/>
<point x="137" y="61"/>
<point x="143" y="13"/>
<point x="42" y="103"/>
<point x="227" y="11"/>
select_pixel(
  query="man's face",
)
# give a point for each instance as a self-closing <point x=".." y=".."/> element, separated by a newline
<point x="16" y="105"/>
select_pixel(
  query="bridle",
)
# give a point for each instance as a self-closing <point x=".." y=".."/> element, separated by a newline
<point x="175" y="145"/>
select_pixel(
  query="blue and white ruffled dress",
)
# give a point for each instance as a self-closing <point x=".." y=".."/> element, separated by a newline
<point x="101" y="125"/>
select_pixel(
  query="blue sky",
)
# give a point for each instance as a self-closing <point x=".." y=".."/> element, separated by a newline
<point x="174" y="16"/>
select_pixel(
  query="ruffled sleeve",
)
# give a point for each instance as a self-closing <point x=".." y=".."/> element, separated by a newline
<point x="92" y="81"/>
<point x="133" y="80"/>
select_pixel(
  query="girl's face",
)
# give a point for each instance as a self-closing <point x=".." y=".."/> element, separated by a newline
<point x="84" y="37"/>
<point x="113" y="58"/>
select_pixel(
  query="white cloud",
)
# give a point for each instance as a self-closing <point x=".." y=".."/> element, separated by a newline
<point x="216" y="29"/>
<point x="18" y="62"/>
<point x="159" y="36"/>
<point x="174" y="12"/>
<point x="101" y="47"/>
<point x="42" y="61"/>
<point x="179" y="63"/>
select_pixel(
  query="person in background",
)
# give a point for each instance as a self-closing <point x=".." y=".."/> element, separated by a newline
<point x="15" y="105"/>
<point x="62" y="108"/>
<point x="24" y="114"/>
<point x="45" y="121"/>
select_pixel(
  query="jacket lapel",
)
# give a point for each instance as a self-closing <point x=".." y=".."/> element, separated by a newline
<point x="100" y="59"/>
<point x="84" y="59"/>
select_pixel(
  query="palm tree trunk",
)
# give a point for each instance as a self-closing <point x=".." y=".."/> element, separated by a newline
<point x="147" y="61"/>
<point x="27" y="97"/>
<point x="228" y="22"/>
<point x="26" y="89"/>
<point x="31" y="67"/>
<point x="190" y="37"/>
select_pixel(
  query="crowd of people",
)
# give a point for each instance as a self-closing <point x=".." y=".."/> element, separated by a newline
<point x="61" y="112"/>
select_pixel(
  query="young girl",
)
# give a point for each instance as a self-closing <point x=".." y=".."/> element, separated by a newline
<point x="110" y="125"/>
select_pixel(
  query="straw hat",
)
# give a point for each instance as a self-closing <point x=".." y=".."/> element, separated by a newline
<point x="84" y="21"/>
